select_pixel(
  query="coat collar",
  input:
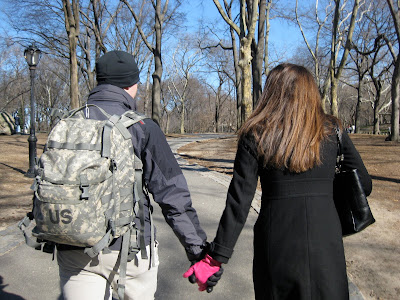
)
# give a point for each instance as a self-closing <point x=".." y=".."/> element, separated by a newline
<point x="112" y="93"/>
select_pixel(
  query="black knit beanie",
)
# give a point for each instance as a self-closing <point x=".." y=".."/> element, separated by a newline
<point x="117" y="68"/>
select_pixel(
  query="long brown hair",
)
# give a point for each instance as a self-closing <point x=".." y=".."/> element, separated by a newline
<point x="289" y="123"/>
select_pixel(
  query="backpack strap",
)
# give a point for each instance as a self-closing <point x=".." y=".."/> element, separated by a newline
<point x="123" y="263"/>
<point x="136" y="117"/>
<point x="152" y="240"/>
<point x="24" y="223"/>
<point x="139" y="197"/>
<point x="72" y="146"/>
<point x="103" y="243"/>
<point x="106" y="150"/>
<point x="58" y="113"/>
<point x="132" y="118"/>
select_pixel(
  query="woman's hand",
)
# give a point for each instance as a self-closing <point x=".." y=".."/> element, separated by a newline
<point x="207" y="273"/>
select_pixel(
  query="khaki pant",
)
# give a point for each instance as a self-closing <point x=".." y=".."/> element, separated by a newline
<point x="82" y="277"/>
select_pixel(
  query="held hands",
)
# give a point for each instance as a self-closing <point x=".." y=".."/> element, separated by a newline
<point x="206" y="273"/>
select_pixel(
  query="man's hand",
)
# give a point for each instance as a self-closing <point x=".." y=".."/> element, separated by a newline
<point x="213" y="280"/>
<point x="196" y="254"/>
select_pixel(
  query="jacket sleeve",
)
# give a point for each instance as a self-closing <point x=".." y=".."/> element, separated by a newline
<point x="240" y="195"/>
<point x="352" y="160"/>
<point x="166" y="182"/>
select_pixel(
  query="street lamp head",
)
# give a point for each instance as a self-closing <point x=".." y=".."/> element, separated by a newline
<point x="32" y="56"/>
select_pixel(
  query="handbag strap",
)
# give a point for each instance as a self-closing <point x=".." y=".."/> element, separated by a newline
<point x="340" y="155"/>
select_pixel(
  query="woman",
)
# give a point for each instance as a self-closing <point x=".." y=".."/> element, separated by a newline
<point x="291" y="144"/>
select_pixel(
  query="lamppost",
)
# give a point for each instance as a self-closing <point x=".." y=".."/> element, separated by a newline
<point x="32" y="56"/>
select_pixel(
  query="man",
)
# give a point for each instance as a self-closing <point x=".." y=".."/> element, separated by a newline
<point x="84" y="278"/>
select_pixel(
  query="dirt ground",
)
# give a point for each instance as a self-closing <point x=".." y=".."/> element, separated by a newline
<point x="372" y="256"/>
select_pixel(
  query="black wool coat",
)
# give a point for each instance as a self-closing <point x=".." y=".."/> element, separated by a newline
<point x="298" y="248"/>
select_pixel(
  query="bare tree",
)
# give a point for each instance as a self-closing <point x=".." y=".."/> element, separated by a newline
<point x="336" y="71"/>
<point x="361" y="70"/>
<point x="238" y="73"/>
<point x="184" y="62"/>
<point x="369" y="45"/>
<point x="161" y="17"/>
<point x="220" y="98"/>
<point x="52" y="90"/>
<point x="246" y="30"/>
<point x="54" y="27"/>
<point x="320" y="21"/>
<point x="14" y="82"/>
<point x="96" y="19"/>
<point x="221" y="88"/>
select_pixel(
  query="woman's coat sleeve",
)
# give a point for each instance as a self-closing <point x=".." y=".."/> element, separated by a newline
<point x="240" y="195"/>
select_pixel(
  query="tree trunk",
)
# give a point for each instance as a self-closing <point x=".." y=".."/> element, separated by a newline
<point x="88" y="62"/>
<point x="336" y="72"/>
<point x="258" y="54"/>
<point x="159" y="18"/>
<point x="158" y="68"/>
<point x="238" y="77"/>
<point x="245" y="65"/>
<point x="248" y="21"/>
<point x="238" y="84"/>
<point x="324" y="95"/>
<point x="183" y="117"/>
<point x="396" y="76"/>
<point x="378" y="88"/>
<point x="358" y="106"/>
<point x="156" y="95"/>
<point x="216" y="118"/>
<point x="167" y="124"/>
<point x="148" y="94"/>
<point x="376" y="114"/>
<point x="218" y="104"/>
<point x="395" y="101"/>
<point x="71" y="14"/>
<point x="266" y="46"/>
<point x="334" y="99"/>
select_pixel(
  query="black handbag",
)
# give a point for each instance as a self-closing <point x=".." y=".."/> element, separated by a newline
<point x="349" y="197"/>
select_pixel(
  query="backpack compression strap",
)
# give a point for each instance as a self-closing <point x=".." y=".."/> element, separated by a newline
<point x="139" y="197"/>
<point x="24" y="223"/>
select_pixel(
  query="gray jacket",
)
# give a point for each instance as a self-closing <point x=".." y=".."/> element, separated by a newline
<point x="161" y="173"/>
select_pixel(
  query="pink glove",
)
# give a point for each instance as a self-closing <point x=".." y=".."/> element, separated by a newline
<point x="203" y="270"/>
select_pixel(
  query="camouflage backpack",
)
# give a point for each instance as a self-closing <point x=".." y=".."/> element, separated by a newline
<point x="84" y="186"/>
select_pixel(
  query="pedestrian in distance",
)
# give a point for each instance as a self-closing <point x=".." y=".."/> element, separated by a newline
<point x="290" y="144"/>
<point x="83" y="277"/>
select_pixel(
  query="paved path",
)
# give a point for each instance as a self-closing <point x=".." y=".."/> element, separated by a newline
<point x="32" y="275"/>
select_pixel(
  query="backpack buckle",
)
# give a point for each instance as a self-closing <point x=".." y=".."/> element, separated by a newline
<point x="24" y="222"/>
<point x="113" y="165"/>
<point x="85" y="191"/>
<point x="84" y="186"/>
<point x="111" y="226"/>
